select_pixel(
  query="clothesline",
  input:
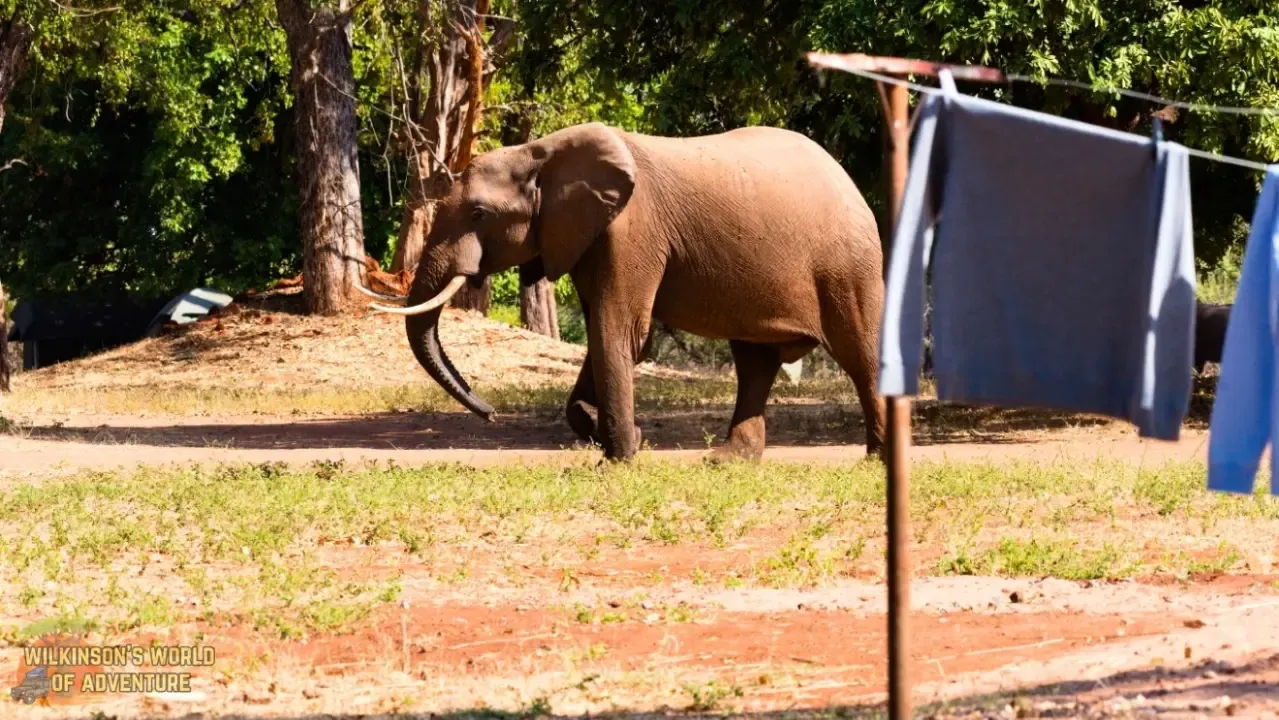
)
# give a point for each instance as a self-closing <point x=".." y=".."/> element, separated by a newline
<point x="1194" y="107"/>
<point x="1202" y="154"/>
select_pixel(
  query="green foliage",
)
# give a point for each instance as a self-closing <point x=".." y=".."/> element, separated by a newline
<point x="155" y="126"/>
<point x="159" y="147"/>
<point x="158" y="136"/>
<point x="506" y="288"/>
<point x="711" y="65"/>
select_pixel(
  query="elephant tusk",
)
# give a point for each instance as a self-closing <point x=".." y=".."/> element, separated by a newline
<point x="449" y="291"/>
<point x="380" y="296"/>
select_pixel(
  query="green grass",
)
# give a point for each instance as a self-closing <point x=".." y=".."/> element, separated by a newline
<point x="1041" y="557"/>
<point x="246" y="544"/>
<point x="650" y="394"/>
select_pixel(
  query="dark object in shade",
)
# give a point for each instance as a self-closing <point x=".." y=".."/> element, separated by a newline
<point x="1210" y="332"/>
<point x="66" y="327"/>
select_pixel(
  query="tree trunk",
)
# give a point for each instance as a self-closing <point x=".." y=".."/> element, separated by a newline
<point x="5" y="371"/>
<point x="537" y="309"/>
<point x="443" y="139"/>
<point x="15" y="43"/>
<point x="425" y="190"/>
<point x="330" y="215"/>
<point x="476" y="299"/>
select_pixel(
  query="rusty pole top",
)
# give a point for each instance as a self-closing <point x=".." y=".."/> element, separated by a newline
<point x="902" y="66"/>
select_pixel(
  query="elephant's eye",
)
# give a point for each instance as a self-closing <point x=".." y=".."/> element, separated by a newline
<point x="478" y="212"/>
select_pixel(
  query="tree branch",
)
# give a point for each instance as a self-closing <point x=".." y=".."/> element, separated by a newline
<point x="77" y="12"/>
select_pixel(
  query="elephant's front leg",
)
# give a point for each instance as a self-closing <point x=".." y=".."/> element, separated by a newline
<point x="616" y="342"/>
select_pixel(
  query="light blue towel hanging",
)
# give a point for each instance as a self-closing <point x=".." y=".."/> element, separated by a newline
<point x="1063" y="274"/>
<point x="1244" y="413"/>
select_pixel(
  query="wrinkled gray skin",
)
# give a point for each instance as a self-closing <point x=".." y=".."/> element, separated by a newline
<point x="756" y="236"/>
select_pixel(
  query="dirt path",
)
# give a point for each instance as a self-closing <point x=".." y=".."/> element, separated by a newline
<point x="53" y="445"/>
<point x="1065" y="647"/>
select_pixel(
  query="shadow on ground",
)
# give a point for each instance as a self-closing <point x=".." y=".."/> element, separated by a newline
<point x="1196" y="689"/>
<point x="788" y="425"/>
<point x="793" y="425"/>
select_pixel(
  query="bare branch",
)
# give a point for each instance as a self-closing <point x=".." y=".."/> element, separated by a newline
<point x="77" y="12"/>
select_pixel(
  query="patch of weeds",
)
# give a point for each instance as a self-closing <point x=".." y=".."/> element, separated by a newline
<point x="457" y="576"/>
<point x="330" y="616"/>
<point x="611" y="617"/>
<point x="709" y="697"/>
<point x="539" y="707"/>
<point x="1221" y="562"/>
<point x="589" y="654"/>
<point x="798" y="564"/>
<point x="854" y="550"/>
<point x="1168" y="492"/>
<point x="391" y="592"/>
<point x="681" y="613"/>
<point x="64" y="622"/>
<point x="30" y="596"/>
<point x="1056" y="558"/>
<point x="587" y="616"/>
<point x="148" y="610"/>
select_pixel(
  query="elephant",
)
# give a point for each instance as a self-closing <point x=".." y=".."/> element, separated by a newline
<point x="1210" y="333"/>
<point x="755" y="235"/>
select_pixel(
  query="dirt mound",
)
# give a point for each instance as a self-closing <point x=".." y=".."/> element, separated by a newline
<point x="265" y="341"/>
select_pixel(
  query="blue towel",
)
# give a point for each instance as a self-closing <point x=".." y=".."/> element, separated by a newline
<point x="1063" y="273"/>
<point x="1243" y="415"/>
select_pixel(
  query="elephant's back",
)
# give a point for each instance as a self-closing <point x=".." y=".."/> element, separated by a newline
<point x="755" y="164"/>
<point x="755" y="221"/>
<point x="766" y="180"/>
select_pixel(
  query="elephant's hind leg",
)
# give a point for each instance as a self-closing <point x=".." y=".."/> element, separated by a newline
<point x="852" y="342"/>
<point x="756" y="367"/>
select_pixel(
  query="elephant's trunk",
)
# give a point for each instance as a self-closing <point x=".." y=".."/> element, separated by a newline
<point x="424" y="338"/>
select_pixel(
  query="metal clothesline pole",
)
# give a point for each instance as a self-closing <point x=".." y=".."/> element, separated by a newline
<point x="896" y="102"/>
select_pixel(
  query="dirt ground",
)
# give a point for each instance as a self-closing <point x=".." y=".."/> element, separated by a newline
<point x="1047" y="647"/>
<point x="654" y="641"/>
<point x="266" y="343"/>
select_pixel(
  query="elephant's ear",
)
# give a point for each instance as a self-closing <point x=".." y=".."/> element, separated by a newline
<point x="585" y="180"/>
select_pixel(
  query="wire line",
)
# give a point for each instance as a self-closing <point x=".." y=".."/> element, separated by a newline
<point x="1194" y="107"/>
<point x="1202" y="154"/>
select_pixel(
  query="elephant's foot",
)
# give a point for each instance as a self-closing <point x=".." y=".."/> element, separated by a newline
<point x="875" y="449"/>
<point x="623" y="451"/>
<point x="745" y="442"/>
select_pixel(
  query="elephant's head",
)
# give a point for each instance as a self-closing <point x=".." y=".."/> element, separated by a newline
<point x="538" y="206"/>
